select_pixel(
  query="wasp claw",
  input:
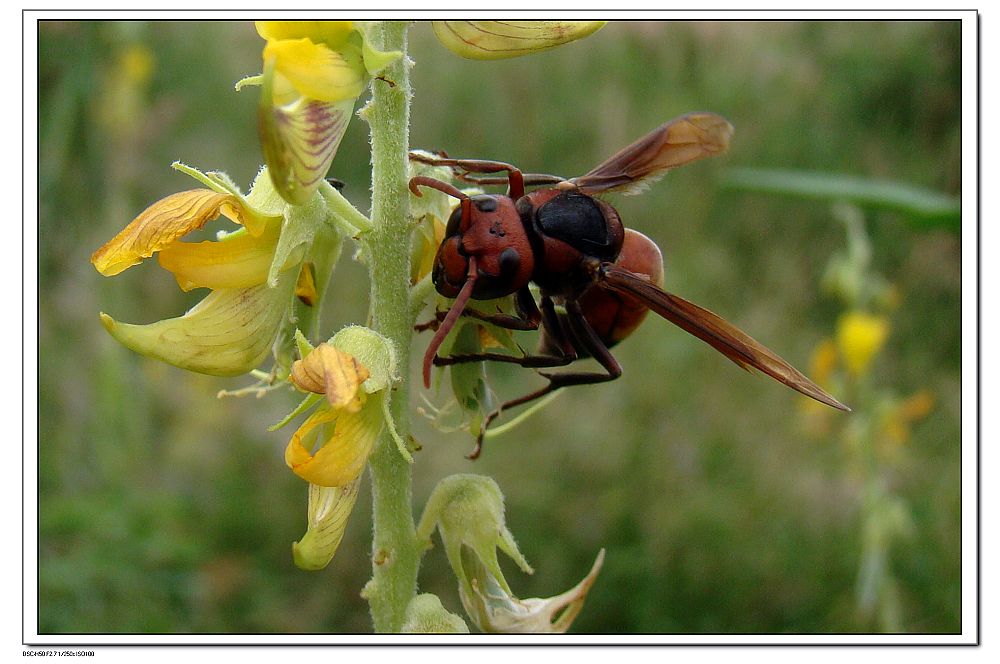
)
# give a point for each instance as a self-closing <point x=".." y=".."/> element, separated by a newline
<point x="477" y="450"/>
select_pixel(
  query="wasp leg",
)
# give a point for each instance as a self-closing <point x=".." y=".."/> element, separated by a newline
<point x="588" y="340"/>
<point x="584" y="334"/>
<point x="527" y="361"/>
<point x="528" y="318"/>
<point x="514" y="178"/>
<point x="530" y="179"/>
<point x="433" y="323"/>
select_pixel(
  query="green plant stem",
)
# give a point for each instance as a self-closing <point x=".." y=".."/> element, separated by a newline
<point x="395" y="551"/>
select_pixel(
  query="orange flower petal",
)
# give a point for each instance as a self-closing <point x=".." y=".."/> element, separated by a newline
<point x="327" y="370"/>
<point x="159" y="225"/>
<point x="237" y="261"/>
<point x="344" y="453"/>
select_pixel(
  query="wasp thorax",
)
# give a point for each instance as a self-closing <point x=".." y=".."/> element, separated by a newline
<point x="573" y="227"/>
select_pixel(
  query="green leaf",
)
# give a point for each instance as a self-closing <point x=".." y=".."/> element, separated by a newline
<point x="924" y="208"/>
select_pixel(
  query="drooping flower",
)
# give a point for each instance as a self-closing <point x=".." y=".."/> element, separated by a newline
<point x="231" y="331"/>
<point x="496" y="40"/>
<point x="349" y="378"/>
<point x="468" y="512"/>
<point x="332" y="445"/>
<point x="313" y="73"/>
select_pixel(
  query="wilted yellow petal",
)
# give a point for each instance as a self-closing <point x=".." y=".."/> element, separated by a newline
<point x="860" y="336"/>
<point x="316" y="71"/>
<point x="228" y="333"/>
<point x="346" y="440"/>
<point x="159" y="225"/>
<point x="495" y="40"/>
<point x="166" y="221"/>
<point x="327" y="370"/>
<point x="329" y="510"/>
<point x="237" y="261"/>
<point x="374" y="351"/>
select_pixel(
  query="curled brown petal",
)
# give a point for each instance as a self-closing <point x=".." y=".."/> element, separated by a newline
<point x="327" y="370"/>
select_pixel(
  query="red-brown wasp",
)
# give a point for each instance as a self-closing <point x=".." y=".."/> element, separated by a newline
<point x="574" y="247"/>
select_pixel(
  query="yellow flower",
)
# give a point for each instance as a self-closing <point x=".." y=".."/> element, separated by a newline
<point x="354" y="372"/>
<point x="495" y="40"/>
<point x="313" y="73"/>
<point x="430" y="212"/>
<point x="332" y="445"/>
<point x="231" y="331"/>
<point x="860" y="336"/>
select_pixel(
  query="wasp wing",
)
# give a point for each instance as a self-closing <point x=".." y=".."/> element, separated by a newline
<point x="680" y="141"/>
<point x="726" y="338"/>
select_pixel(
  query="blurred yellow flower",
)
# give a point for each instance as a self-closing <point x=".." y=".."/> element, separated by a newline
<point x="823" y="362"/>
<point x="137" y="64"/>
<point x="897" y="422"/>
<point x="860" y="336"/>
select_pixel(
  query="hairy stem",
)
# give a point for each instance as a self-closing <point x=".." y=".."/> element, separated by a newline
<point x="395" y="551"/>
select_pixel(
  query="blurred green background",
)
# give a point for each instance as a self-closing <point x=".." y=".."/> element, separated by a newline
<point x="725" y="504"/>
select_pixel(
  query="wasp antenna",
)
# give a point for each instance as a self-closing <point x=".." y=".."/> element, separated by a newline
<point x="449" y="321"/>
<point x="432" y="183"/>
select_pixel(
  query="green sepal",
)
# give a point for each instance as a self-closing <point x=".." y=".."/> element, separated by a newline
<point x="301" y="223"/>
<point x="374" y="351"/>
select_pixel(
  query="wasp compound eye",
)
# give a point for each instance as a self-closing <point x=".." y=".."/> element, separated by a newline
<point x="450" y="267"/>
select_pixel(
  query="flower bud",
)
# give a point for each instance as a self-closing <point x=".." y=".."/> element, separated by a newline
<point x="469" y="513"/>
<point x="329" y="510"/>
<point x="425" y="615"/>
<point x="495" y="610"/>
